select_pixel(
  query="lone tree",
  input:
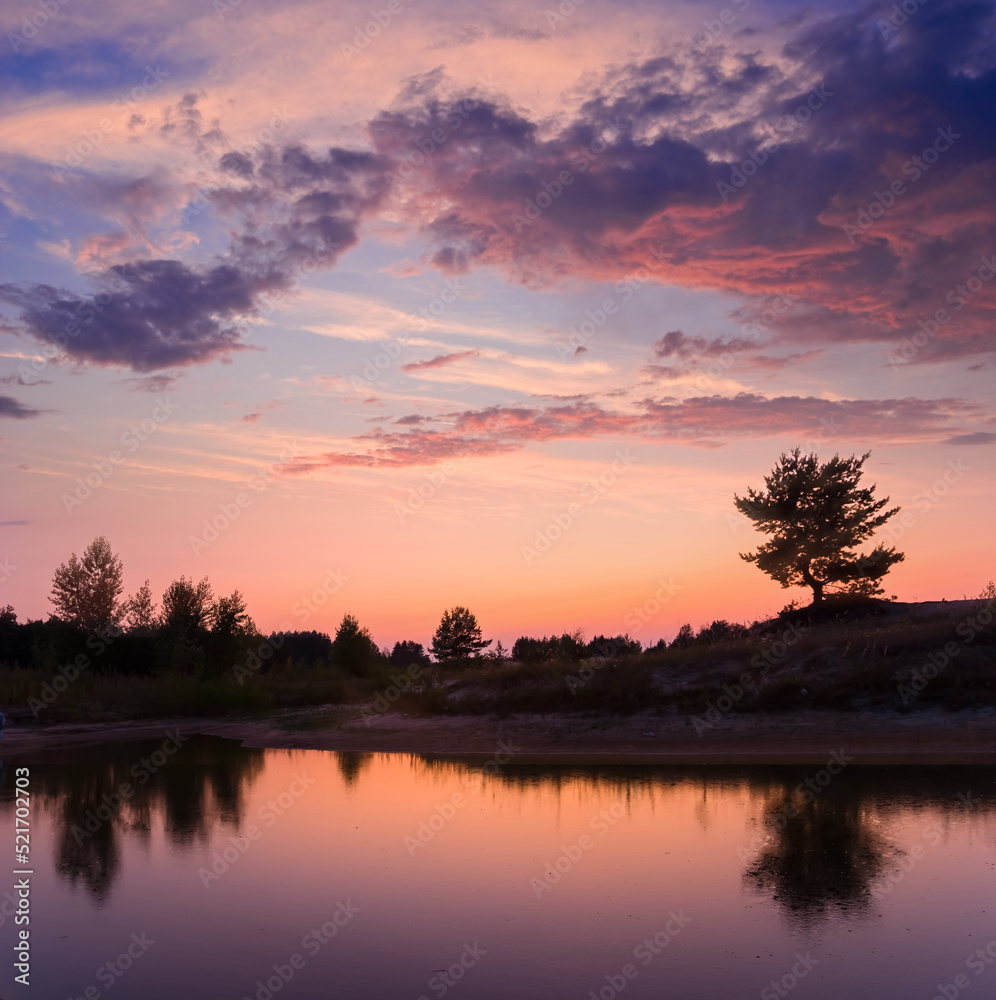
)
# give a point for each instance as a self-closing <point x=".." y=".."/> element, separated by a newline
<point x="458" y="636"/>
<point x="816" y="514"/>
<point x="85" y="591"/>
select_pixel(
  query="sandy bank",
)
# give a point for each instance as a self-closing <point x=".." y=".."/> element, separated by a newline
<point x="926" y="737"/>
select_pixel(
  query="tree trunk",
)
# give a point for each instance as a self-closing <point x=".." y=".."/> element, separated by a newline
<point x="817" y="585"/>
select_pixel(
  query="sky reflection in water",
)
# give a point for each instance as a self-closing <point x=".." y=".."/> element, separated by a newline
<point x="382" y="872"/>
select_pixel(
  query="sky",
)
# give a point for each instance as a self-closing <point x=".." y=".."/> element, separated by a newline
<point x="387" y="308"/>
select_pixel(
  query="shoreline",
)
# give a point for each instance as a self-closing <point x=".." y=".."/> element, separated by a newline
<point x="928" y="737"/>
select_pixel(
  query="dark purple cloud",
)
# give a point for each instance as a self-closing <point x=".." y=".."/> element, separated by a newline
<point x="10" y="407"/>
<point x="299" y="214"/>
<point x="732" y="171"/>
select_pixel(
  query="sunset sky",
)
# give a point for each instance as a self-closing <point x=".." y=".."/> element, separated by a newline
<point x="577" y="273"/>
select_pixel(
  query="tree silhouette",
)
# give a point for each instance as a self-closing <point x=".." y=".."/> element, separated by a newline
<point x="815" y="514"/>
<point x="85" y="591"/>
<point x="458" y="636"/>
<point x="139" y="610"/>
<point x="187" y="606"/>
<point x="353" y="648"/>
<point x="231" y="618"/>
<point x="822" y="855"/>
<point x="408" y="653"/>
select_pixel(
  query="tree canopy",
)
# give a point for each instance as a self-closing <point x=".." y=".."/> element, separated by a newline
<point x="458" y="636"/>
<point x="816" y="514"/>
<point x="187" y="606"/>
<point x="353" y="647"/>
<point x="85" y="591"/>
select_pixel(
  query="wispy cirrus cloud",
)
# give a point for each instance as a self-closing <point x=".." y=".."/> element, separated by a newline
<point x="440" y="361"/>
<point x="700" y="421"/>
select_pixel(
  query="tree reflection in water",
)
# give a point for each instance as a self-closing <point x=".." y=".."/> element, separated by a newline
<point x="351" y="763"/>
<point x="201" y="786"/>
<point x="819" y="856"/>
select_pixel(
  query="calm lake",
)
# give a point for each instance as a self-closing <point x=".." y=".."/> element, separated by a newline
<point x="206" y="870"/>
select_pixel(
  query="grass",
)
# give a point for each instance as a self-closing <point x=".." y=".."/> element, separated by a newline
<point x="858" y="663"/>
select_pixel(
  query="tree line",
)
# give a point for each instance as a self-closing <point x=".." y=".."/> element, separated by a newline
<point x="815" y="513"/>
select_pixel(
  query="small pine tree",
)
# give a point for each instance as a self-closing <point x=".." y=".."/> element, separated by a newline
<point x="458" y="636"/>
<point x="353" y="648"/>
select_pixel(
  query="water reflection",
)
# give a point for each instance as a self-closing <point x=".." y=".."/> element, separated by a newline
<point x="128" y="789"/>
<point x="438" y="854"/>
<point x="819" y="856"/>
<point x="351" y="763"/>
